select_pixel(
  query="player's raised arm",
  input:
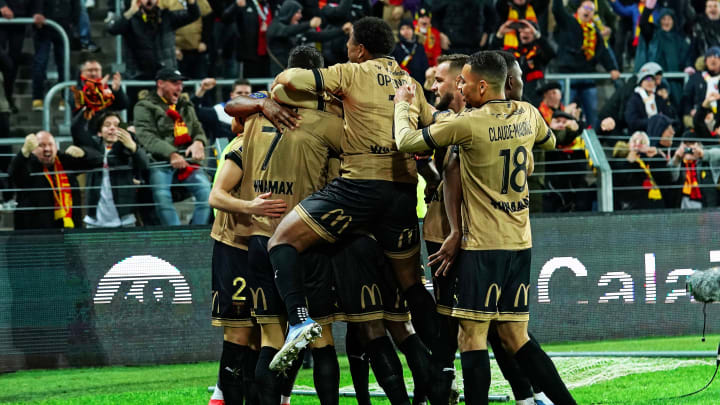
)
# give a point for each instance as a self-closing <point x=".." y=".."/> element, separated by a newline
<point x="242" y="107"/>
<point x="230" y="175"/>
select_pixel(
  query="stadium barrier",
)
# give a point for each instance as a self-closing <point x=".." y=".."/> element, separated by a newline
<point x="143" y="295"/>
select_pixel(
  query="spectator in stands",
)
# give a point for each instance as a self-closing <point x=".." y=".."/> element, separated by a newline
<point x="644" y="173"/>
<point x="40" y="167"/>
<point x="583" y="50"/>
<point x="191" y="41"/>
<point x="64" y="13"/>
<point x="286" y="31"/>
<point x="695" y="174"/>
<point x="530" y="48"/>
<point x="612" y="115"/>
<point x="165" y="124"/>
<point x="705" y="122"/>
<point x="410" y="53"/>
<point x="632" y="11"/>
<point x="252" y="19"/>
<point x="83" y="30"/>
<point x="339" y="15"/>
<point x="460" y="23"/>
<point x="11" y="39"/>
<point x="645" y="103"/>
<point x="701" y="84"/>
<point x="214" y="119"/>
<point x="149" y="36"/>
<point x="93" y="93"/>
<point x="428" y="35"/>
<point x="111" y="206"/>
<point x="661" y="131"/>
<point x="706" y="30"/>
<point x="512" y="12"/>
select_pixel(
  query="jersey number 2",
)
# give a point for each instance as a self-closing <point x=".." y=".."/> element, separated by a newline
<point x="243" y="283"/>
<point x="510" y="178"/>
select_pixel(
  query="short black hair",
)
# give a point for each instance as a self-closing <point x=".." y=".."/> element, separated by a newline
<point x="375" y="35"/>
<point x="241" y="82"/>
<point x="457" y="60"/>
<point x="509" y="58"/>
<point x="305" y="57"/>
<point x="99" y="119"/>
<point x="490" y="66"/>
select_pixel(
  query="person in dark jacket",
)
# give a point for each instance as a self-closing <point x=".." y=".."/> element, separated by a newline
<point x="65" y="13"/>
<point x="410" y="53"/>
<point x="53" y="192"/>
<point x="583" y="50"/>
<point x="11" y="38"/>
<point x="644" y="103"/>
<point x="149" y="36"/>
<point x="700" y="84"/>
<point x="340" y="15"/>
<point x="252" y="20"/>
<point x="706" y="30"/>
<point x="460" y="23"/>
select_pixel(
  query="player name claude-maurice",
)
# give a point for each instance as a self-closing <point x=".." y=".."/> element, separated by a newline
<point x="510" y="131"/>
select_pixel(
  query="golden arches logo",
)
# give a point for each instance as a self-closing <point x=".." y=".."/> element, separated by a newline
<point x="256" y="294"/>
<point x="371" y="290"/>
<point x="492" y="287"/>
<point x="525" y="289"/>
<point x="339" y="217"/>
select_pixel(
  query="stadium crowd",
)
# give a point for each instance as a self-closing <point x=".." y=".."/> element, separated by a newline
<point x="416" y="66"/>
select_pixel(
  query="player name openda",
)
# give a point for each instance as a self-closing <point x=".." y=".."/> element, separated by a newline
<point x="510" y="131"/>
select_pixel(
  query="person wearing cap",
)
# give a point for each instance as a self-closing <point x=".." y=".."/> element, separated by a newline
<point x="701" y="84"/>
<point x="583" y="50"/>
<point x="612" y="115"/>
<point x="169" y="130"/>
<point x="645" y="103"/>
<point x="409" y="52"/>
<point x="706" y="30"/>
<point x="428" y="35"/>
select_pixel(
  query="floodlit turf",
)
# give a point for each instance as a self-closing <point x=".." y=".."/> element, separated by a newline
<point x="187" y="383"/>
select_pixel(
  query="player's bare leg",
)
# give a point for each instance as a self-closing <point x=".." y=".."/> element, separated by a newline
<point x="536" y="364"/>
<point x="472" y="342"/>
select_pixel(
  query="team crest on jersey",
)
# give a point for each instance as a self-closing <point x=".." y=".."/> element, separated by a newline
<point x="258" y="95"/>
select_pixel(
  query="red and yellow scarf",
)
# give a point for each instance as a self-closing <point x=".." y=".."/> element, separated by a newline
<point x="62" y="193"/>
<point x="589" y="38"/>
<point x="690" y="187"/>
<point x="180" y="131"/>
<point x="649" y="183"/>
<point x="510" y="41"/>
<point x="636" y="32"/>
<point x="94" y="95"/>
<point x="547" y="112"/>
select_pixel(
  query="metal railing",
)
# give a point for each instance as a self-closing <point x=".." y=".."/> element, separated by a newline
<point x="599" y="159"/>
<point x="567" y="78"/>
<point x="66" y="49"/>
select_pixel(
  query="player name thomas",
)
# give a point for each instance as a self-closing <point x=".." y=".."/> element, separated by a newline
<point x="510" y="131"/>
<point x="511" y="206"/>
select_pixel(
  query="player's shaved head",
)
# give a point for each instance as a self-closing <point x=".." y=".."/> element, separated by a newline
<point x="490" y="67"/>
<point x="456" y="61"/>
<point x="374" y="34"/>
<point x="305" y="57"/>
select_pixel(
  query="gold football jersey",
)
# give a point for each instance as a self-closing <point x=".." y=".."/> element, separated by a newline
<point x="367" y="90"/>
<point x="495" y="143"/>
<point x="291" y="164"/>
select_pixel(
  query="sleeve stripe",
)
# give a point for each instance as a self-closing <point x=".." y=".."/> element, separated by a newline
<point x="547" y="137"/>
<point x="427" y="138"/>
<point x="319" y="87"/>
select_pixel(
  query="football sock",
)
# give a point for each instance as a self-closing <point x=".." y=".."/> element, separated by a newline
<point x="289" y="282"/>
<point x="512" y="372"/>
<point x="359" y="367"/>
<point x="326" y="375"/>
<point x="231" y="372"/>
<point x="249" y="363"/>
<point x="388" y="370"/>
<point x="267" y="382"/>
<point x="287" y="380"/>
<point x="536" y="388"/>
<point x="541" y="369"/>
<point x="422" y="309"/>
<point x="476" y="376"/>
<point x="418" y="360"/>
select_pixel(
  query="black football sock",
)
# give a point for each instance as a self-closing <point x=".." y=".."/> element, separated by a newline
<point x="538" y="366"/>
<point x="424" y="316"/>
<point x="326" y="375"/>
<point x="287" y="380"/>
<point x="289" y="281"/>
<point x="535" y="386"/>
<point x="231" y="372"/>
<point x="476" y="376"/>
<point x="418" y="360"/>
<point x="359" y="367"/>
<point x="519" y="384"/>
<point x="249" y="363"/>
<point x="443" y="359"/>
<point x="267" y="382"/>
<point x="388" y="370"/>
